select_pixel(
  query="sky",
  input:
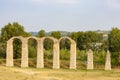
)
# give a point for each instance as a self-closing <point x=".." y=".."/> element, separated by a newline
<point x="61" y="15"/>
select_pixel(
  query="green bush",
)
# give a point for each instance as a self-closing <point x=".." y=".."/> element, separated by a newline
<point x="32" y="48"/>
<point x="115" y="59"/>
<point x="32" y="52"/>
<point x="2" y="50"/>
<point x="65" y="54"/>
<point x="99" y="57"/>
<point x="48" y="54"/>
<point x="81" y="55"/>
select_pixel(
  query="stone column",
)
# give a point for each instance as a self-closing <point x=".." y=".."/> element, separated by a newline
<point x="56" y="62"/>
<point x="108" y="61"/>
<point x="73" y="55"/>
<point x="9" y="55"/>
<point x="40" y="56"/>
<point x="90" y="59"/>
<point x="24" y="58"/>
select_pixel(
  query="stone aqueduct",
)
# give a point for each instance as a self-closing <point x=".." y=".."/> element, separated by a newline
<point x="56" y="53"/>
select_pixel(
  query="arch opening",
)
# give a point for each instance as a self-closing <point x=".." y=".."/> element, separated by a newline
<point x="72" y="63"/>
<point x="64" y="52"/>
<point x="17" y="51"/>
<point x="48" y="52"/>
<point x="32" y="52"/>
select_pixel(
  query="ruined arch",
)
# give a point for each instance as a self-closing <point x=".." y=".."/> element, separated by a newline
<point x="9" y="51"/>
<point x="37" y="44"/>
<point x="55" y="52"/>
<point x="52" y="38"/>
<point x="72" y="52"/>
<point x="40" y="57"/>
<point x="32" y="37"/>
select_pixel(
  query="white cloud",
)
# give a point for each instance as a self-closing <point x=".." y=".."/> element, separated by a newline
<point x="113" y="3"/>
<point x="53" y="1"/>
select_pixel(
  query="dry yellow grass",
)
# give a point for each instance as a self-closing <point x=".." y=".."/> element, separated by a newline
<point x="13" y="73"/>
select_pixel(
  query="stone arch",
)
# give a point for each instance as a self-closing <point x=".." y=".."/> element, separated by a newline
<point x="40" y="62"/>
<point x="72" y="41"/>
<point x="52" y="38"/>
<point x="55" y="52"/>
<point x="32" y="37"/>
<point x="9" y="51"/>
<point x="38" y="44"/>
<point x="72" y="52"/>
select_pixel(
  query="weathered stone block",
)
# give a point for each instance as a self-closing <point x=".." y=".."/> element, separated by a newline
<point x="90" y="59"/>
<point x="108" y="61"/>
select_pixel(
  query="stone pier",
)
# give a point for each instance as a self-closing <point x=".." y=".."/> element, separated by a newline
<point x="73" y="56"/>
<point x="90" y="59"/>
<point x="108" y="61"/>
<point x="56" y="62"/>
<point x="24" y="58"/>
<point x="9" y="55"/>
<point x="40" y="56"/>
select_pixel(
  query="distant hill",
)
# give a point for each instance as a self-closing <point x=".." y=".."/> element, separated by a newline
<point x="33" y="33"/>
<point x="102" y="31"/>
<point x="63" y="33"/>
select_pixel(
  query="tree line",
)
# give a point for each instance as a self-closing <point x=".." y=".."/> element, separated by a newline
<point x="84" y="40"/>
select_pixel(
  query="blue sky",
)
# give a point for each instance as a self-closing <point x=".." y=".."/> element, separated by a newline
<point x="61" y="15"/>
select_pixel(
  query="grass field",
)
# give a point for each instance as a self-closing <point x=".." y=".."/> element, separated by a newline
<point x="14" y="73"/>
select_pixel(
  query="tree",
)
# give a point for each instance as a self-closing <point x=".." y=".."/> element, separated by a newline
<point x="114" y="40"/>
<point x="86" y="40"/>
<point x="32" y="47"/>
<point x="114" y="45"/>
<point x="56" y="34"/>
<point x="49" y="43"/>
<point x="81" y="40"/>
<point x="74" y="36"/>
<point x="11" y="30"/>
<point x="41" y="33"/>
<point x="65" y="44"/>
<point x="91" y="38"/>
